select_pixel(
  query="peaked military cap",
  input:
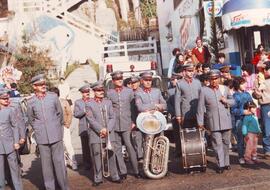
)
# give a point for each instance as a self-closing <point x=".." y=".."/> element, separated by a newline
<point x="134" y="79"/>
<point x="225" y="68"/>
<point x="38" y="79"/>
<point x="188" y="66"/>
<point x="97" y="85"/>
<point x="4" y="93"/>
<point x="214" y="73"/>
<point x="146" y="74"/>
<point x="116" y="74"/>
<point x="85" y="88"/>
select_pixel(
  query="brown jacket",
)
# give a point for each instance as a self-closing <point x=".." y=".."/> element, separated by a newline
<point x="67" y="112"/>
<point x="262" y="92"/>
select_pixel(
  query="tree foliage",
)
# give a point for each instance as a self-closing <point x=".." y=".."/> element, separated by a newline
<point x="31" y="61"/>
<point x="214" y="39"/>
<point x="148" y="8"/>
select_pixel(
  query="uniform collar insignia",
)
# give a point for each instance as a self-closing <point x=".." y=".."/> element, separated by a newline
<point x="40" y="96"/>
<point x="118" y="89"/>
<point x="86" y="99"/>
<point x="147" y="90"/>
<point x="98" y="100"/>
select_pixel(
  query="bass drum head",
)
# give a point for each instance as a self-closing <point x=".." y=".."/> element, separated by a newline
<point x="193" y="148"/>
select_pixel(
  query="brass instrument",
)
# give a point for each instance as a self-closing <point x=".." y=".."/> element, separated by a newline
<point x="105" y="147"/>
<point x="155" y="163"/>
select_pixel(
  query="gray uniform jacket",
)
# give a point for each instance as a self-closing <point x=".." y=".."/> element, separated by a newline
<point x="122" y="107"/>
<point x="9" y="129"/>
<point x="95" y="117"/>
<point x="170" y="101"/>
<point x="46" y="117"/>
<point x="16" y="103"/>
<point x="147" y="101"/>
<point x="218" y="115"/>
<point x="186" y="98"/>
<point x="79" y="113"/>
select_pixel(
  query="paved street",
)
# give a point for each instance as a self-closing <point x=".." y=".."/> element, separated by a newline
<point x="240" y="178"/>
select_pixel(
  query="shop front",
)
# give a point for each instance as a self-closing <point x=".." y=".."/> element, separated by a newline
<point x="247" y="24"/>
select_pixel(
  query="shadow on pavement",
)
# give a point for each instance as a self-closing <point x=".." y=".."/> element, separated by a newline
<point x="34" y="174"/>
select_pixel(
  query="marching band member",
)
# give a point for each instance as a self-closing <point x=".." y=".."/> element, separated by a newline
<point x="9" y="141"/>
<point x="121" y="98"/>
<point x="79" y="113"/>
<point x="149" y="99"/>
<point x="171" y="110"/>
<point x="98" y="132"/>
<point x="214" y="101"/>
<point x="186" y="98"/>
<point x="136" y="133"/>
<point x="46" y="117"/>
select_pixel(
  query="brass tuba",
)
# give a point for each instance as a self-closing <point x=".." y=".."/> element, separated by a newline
<point x="156" y="155"/>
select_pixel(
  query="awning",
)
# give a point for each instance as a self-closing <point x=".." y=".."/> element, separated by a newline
<point x="245" y="13"/>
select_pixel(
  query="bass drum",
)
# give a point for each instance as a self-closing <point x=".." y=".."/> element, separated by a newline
<point x="193" y="149"/>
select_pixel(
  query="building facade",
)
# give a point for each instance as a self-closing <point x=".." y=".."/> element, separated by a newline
<point x="178" y="26"/>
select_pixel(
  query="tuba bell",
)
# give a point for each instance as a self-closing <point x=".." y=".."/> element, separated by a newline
<point x="155" y="162"/>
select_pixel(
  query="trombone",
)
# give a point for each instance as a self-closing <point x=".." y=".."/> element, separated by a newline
<point x="105" y="149"/>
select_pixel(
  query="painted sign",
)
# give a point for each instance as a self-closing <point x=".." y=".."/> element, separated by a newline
<point x="240" y="20"/>
<point x="208" y="8"/>
<point x="246" y="18"/>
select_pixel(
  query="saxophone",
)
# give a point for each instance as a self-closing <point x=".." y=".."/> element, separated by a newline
<point x="156" y="155"/>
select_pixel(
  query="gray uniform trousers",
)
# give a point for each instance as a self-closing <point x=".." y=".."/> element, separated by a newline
<point x="14" y="170"/>
<point x="85" y="149"/>
<point x="125" y="135"/>
<point x="137" y="140"/>
<point x="52" y="157"/>
<point x="122" y="102"/>
<point x="96" y="158"/>
<point x="220" y="143"/>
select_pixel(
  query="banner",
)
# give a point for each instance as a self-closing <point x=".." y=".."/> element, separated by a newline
<point x="246" y="18"/>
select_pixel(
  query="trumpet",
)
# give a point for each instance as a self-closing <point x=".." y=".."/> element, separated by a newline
<point x="105" y="147"/>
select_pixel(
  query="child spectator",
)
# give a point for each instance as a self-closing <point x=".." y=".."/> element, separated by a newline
<point x="241" y="96"/>
<point x="251" y="130"/>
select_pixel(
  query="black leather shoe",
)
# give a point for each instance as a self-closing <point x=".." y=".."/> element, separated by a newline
<point x="123" y="176"/>
<point x="95" y="184"/>
<point x="227" y="167"/>
<point x="138" y="176"/>
<point x="220" y="170"/>
<point x="118" y="181"/>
